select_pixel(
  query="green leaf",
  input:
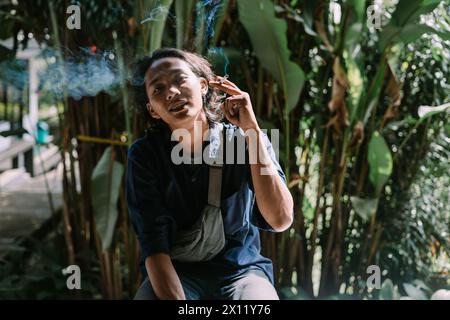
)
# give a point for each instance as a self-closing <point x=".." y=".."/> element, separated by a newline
<point x="268" y="36"/>
<point x="408" y="11"/>
<point x="356" y="83"/>
<point x="365" y="208"/>
<point x="105" y="184"/>
<point x="356" y="22"/>
<point x="183" y="11"/>
<point x="414" y="292"/>
<point x="412" y="32"/>
<point x="403" y="24"/>
<point x="308" y="209"/>
<point x="396" y="125"/>
<point x="388" y="35"/>
<point x="387" y="290"/>
<point x="380" y="161"/>
<point x="358" y="8"/>
<point x="307" y="16"/>
<point x="353" y="36"/>
<point x="372" y="97"/>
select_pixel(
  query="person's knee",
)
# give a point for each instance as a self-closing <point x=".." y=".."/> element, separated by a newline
<point x="255" y="286"/>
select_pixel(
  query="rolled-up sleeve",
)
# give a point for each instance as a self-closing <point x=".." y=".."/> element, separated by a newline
<point x="152" y="222"/>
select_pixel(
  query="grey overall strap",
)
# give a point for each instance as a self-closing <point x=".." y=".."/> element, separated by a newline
<point x="215" y="185"/>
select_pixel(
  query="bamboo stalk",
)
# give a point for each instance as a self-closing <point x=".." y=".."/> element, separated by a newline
<point x="334" y="240"/>
<point x="99" y="140"/>
<point x="123" y="88"/>
<point x="117" y="274"/>
<point x="299" y="223"/>
<point x="104" y="281"/>
<point x="317" y="210"/>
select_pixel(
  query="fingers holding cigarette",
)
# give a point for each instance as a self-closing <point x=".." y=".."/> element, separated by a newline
<point x="222" y="83"/>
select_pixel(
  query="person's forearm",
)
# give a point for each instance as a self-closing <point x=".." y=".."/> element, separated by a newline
<point x="272" y="196"/>
<point x="163" y="277"/>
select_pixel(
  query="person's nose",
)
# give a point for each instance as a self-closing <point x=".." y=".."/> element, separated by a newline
<point x="172" y="92"/>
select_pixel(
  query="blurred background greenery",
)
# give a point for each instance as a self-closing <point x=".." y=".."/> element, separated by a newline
<point x="359" y="90"/>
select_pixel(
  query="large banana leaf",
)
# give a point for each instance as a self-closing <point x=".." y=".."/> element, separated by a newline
<point x="183" y="11"/>
<point x="403" y="25"/>
<point x="408" y="11"/>
<point x="105" y="185"/>
<point x="365" y="208"/>
<point x="355" y="22"/>
<point x="307" y="16"/>
<point x="380" y="161"/>
<point x="268" y="36"/>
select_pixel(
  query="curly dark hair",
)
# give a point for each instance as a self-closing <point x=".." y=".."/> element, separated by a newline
<point x="199" y="66"/>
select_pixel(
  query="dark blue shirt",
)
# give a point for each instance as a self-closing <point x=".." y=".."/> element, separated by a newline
<point x="164" y="197"/>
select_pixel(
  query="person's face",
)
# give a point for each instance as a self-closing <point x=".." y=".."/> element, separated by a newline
<point x="175" y="93"/>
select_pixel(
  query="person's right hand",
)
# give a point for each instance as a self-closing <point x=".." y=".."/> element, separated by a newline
<point x="237" y="107"/>
<point x="164" y="279"/>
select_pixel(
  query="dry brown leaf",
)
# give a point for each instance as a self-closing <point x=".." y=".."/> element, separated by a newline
<point x="320" y="27"/>
<point x="340" y="86"/>
<point x="337" y="103"/>
<point x="357" y="134"/>
<point x="393" y="92"/>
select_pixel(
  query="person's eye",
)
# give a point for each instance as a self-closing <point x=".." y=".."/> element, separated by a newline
<point x="181" y="79"/>
<point x="157" y="90"/>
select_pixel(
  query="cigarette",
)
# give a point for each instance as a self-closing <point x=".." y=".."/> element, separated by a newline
<point x="225" y="77"/>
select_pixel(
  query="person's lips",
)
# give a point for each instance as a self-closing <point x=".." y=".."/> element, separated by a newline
<point x="177" y="106"/>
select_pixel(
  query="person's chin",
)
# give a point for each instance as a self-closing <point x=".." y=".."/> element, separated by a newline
<point x="183" y="119"/>
<point x="186" y="117"/>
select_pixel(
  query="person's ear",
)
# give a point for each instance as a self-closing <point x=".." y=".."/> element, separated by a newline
<point x="152" y="112"/>
<point x="204" y="86"/>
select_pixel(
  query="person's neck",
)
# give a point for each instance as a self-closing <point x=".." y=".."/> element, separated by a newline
<point x="196" y="133"/>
